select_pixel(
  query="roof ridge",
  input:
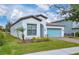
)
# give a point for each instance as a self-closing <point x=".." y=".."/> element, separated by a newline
<point x="22" y="18"/>
<point x="41" y="15"/>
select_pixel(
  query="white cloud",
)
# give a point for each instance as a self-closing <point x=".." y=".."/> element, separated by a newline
<point x="53" y="17"/>
<point x="48" y="20"/>
<point x="20" y="11"/>
<point x="16" y="13"/>
<point x="43" y="6"/>
<point x="3" y="10"/>
<point x="58" y="10"/>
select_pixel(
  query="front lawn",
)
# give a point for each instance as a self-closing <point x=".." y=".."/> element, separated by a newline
<point x="76" y="38"/>
<point x="12" y="46"/>
<point x="75" y="54"/>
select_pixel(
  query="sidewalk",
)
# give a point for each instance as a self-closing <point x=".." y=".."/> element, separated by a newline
<point x="65" y="51"/>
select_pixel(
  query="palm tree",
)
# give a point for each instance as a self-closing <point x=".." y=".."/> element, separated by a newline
<point x="21" y="29"/>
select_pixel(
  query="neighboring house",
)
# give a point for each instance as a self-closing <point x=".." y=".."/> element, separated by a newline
<point x="70" y="27"/>
<point x="75" y="27"/>
<point x="37" y="26"/>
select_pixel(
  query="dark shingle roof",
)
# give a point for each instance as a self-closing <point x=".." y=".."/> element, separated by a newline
<point x="23" y="18"/>
<point x="41" y="16"/>
<point x="54" y="24"/>
<point x="58" y="21"/>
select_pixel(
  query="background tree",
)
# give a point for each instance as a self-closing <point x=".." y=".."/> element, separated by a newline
<point x="8" y="26"/>
<point x="1" y="28"/>
<point x="72" y="11"/>
<point x="72" y="14"/>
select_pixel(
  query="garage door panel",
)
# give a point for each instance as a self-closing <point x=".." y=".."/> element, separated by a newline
<point x="54" y="32"/>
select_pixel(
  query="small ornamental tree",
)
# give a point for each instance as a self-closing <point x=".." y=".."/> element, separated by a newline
<point x="21" y="29"/>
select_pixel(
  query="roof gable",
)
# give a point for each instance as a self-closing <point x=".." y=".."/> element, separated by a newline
<point x="23" y="18"/>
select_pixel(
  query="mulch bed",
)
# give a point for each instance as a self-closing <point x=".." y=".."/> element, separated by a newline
<point x="30" y="41"/>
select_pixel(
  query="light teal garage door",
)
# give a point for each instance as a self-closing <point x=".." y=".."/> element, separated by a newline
<point x="54" y="32"/>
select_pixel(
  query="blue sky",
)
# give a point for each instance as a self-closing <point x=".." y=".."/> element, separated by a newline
<point x="7" y="10"/>
<point x="3" y="20"/>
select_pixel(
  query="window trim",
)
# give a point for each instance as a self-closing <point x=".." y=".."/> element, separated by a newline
<point x="32" y="29"/>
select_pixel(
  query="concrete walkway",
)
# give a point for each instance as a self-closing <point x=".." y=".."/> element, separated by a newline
<point x="65" y="51"/>
<point x="69" y="40"/>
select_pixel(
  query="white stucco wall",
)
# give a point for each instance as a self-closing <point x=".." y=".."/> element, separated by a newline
<point x="14" y="31"/>
<point x="32" y="21"/>
<point x="44" y="21"/>
<point x="62" y="29"/>
<point x="24" y="24"/>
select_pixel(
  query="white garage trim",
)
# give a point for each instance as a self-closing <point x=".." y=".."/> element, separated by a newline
<point x="62" y="29"/>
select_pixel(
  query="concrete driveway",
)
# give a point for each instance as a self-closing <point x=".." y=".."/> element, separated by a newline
<point x="69" y="40"/>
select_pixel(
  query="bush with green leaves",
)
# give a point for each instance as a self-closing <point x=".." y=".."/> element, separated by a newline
<point x="39" y="39"/>
<point x="77" y="34"/>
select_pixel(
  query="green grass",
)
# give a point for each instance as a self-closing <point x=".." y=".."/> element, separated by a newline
<point x="13" y="47"/>
<point x="76" y="38"/>
<point x="75" y="54"/>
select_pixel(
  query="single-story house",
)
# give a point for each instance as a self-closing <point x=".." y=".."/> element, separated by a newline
<point x="37" y="26"/>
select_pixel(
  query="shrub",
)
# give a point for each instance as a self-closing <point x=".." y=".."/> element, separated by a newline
<point x="46" y="39"/>
<point x="33" y="38"/>
<point x="38" y="39"/>
<point x="77" y="34"/>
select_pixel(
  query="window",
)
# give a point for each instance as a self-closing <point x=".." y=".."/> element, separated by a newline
<point x="31" y="29"/>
